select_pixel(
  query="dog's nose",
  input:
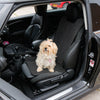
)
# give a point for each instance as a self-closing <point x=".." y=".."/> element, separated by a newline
<point x="45" y="49"/>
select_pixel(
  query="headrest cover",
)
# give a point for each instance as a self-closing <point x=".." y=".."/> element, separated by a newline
<point x="36" y="20"/>
<point x="73" y="12"/>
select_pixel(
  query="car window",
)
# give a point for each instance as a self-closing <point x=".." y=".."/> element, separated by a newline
<point x="4" y="11"/>
<point x="95" y="9"/>
<point x="56" y="6"/>
<point x="23" y="11"/>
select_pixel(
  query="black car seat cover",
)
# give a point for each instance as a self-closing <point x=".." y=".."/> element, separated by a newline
<point x="67" y="32"/>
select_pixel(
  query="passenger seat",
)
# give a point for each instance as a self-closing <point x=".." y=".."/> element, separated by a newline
<point x="67" y="38"/>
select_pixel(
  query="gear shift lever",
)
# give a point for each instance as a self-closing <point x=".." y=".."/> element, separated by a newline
<point x="16" y="49"/>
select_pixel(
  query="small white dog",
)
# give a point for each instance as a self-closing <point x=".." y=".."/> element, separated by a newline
<point x="46" y="56"/>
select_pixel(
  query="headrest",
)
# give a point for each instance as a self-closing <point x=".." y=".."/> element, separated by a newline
<point x="73" y="12"/>
<point x="41" y="9"/>
<point x="36" y="20"/>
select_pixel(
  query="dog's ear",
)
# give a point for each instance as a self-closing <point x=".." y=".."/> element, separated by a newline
<point x="55" y="50"/>
<point x="41" y="46"/>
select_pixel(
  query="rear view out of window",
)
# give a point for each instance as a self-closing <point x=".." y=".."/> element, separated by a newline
<point x="95" y="9"/>
<point x="23" y="11"/>
<point x="57" y="5"/>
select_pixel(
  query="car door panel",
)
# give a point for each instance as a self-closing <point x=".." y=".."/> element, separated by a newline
<point x="96" y="48"/>
<point x="93" y="61"/>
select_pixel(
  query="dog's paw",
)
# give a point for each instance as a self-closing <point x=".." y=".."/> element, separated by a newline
<point x="39" y="69"/>
<point x="51" y="70"/>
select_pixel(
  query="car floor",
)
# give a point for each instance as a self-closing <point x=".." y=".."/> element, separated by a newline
<point x="24" y="86"/>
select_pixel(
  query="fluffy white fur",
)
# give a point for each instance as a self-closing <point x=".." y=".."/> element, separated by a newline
<point x="46" y="56"/>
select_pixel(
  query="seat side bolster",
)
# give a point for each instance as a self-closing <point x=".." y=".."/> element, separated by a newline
<point x="26" y="71"/>
<point x="71" y="56"/>
<point x="36" y="43"/>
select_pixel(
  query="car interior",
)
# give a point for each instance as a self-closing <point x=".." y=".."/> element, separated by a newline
<point x="20" y="44"/>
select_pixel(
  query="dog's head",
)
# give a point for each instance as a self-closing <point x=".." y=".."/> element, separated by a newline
<point x="48" y="47"/>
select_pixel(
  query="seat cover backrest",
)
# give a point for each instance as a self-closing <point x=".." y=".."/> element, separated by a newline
<point x="67" y="30"/>
<point x="33" y="31"/>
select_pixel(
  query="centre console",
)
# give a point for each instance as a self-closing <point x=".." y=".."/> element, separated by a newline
<point x="17" y="49"/>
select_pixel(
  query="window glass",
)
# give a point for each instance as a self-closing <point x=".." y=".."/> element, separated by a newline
<point x="27" y="10"/>
<point x="4" y="11"/>
<point x="95" y="9"/>
<point x="56" y="6"/>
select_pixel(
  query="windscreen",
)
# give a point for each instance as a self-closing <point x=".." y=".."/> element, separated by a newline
<point x="4" y="11"/>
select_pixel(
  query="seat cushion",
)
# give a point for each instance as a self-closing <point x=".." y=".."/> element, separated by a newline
<point x="31" y="66"/>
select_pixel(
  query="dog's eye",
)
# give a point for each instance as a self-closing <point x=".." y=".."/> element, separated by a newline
<point x="49" y="45"/>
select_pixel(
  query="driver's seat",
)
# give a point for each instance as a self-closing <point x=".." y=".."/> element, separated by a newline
<point x="67" y="38"/>
<point x="32" y="33"/>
